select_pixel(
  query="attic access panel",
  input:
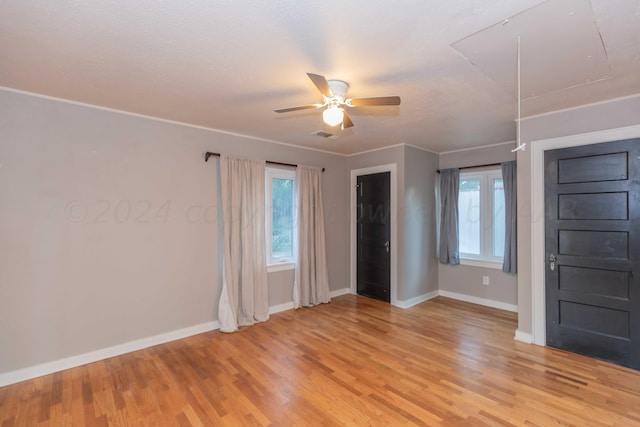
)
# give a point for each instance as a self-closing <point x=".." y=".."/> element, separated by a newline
<point x="560" y="47"/>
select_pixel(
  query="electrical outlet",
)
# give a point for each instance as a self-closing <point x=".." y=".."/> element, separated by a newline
<point x="485" y="280"/>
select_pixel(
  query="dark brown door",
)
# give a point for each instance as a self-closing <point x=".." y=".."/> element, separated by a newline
<point x="592" y="198"/>
<point x="373" y="239"/>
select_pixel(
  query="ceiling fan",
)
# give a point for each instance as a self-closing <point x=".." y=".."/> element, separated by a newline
<point x="333" y="94"/>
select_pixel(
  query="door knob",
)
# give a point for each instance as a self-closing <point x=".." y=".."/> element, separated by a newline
<point x="387" y="244"/>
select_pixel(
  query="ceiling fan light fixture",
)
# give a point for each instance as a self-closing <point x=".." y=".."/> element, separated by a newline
<point x="333" y="115"/>
<point x="334" y="99"/>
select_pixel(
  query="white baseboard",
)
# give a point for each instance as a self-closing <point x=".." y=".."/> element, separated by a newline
<point x="30" y="372"/>
<point x="337" y="293"/>
<point x="523" y="336"/>
<point x="281" y="307"/>
<point x="481" y="301"/>
<point x="417" y="300"/>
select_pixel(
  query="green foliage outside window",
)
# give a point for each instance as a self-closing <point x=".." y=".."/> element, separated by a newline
<point x="470" y="185"/>
<point x="282" y="217"/>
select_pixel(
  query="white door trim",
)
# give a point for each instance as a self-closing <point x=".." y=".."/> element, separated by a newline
<point x="538" y="308"/>
<point x="355" y="173"/>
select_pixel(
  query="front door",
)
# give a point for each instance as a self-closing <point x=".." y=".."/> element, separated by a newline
<point x="373" y="236"/>
<point x="592" y="244"/>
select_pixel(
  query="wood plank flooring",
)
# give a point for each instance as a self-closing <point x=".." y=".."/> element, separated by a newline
<point x="355" y="361"/>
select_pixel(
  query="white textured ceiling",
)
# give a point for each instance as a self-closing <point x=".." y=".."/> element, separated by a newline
<point x="568" y="52"/>
<point x="227" y="64"/>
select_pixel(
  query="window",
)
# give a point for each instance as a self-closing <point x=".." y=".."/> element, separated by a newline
<point x="481" y="216"/>
<point x="280" y="215"/>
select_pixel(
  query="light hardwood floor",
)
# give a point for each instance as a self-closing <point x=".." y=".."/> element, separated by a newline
<point x="355" y="361"/>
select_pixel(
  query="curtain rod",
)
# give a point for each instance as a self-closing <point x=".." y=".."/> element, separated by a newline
<point x="209" y="154"/>
<point x="477" y="166"/>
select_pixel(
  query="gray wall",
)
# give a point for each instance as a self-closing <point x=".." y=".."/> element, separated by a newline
<point x="488" y="154"/>
<point x="465" y="279"/>
<point x="597" y="117"/>
<point x="420" y="264"/>
<point x="109" y="231"/>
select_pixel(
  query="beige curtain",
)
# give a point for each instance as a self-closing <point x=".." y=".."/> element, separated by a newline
<point x="244" y="281"/>
<point x="311" y="285"/>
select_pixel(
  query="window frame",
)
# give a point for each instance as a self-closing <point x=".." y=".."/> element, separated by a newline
<point x="487" y="220"/>
<point x="277" y="263"/>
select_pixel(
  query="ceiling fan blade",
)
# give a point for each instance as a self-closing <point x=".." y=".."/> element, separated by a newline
<point x="371" y="102"/>
<point x="300" y="107"/>
<point x="346" y="121"/>
<point x="321" y="83"/>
